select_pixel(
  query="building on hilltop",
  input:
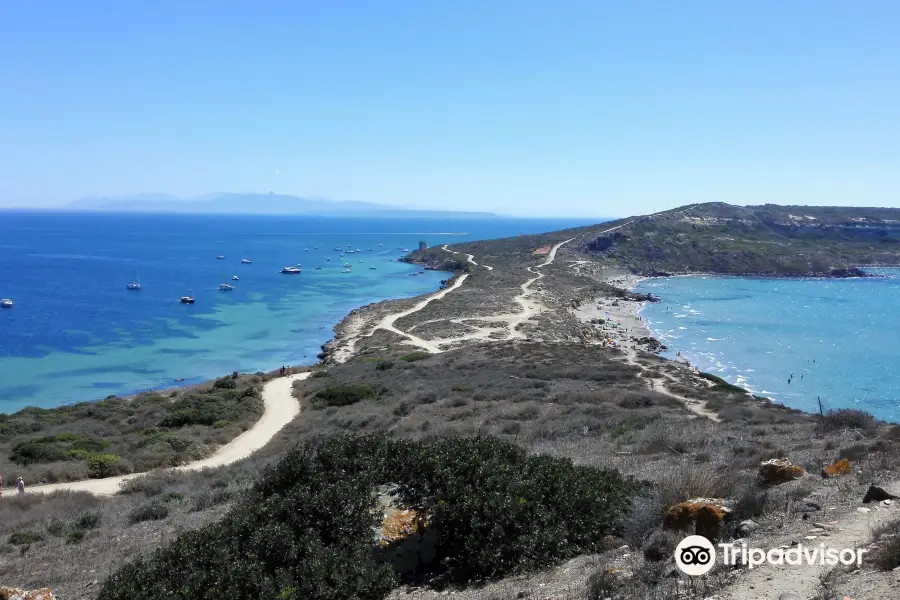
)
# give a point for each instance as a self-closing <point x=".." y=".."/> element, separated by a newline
<point x="423" y="245"/>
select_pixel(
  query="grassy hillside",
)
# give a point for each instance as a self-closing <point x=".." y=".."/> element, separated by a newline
<point x="757" y="240"/>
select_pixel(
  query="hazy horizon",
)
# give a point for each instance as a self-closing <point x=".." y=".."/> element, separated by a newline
<point x="528" y="109"/>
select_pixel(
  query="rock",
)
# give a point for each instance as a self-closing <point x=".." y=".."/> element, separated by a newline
<point x="745" y="528"/>
<point x="877" y="494"/>
<point x="8" y="593"/>
<point x="523" y="594"/>
<point x="837" y="468"/>
<point x="789" y="596"/>
<point x="863" y="509"/>
<point x="779" y="470"/>
<point x="705" y="514"/>
<point x="887" y="502"/>
<point x="814" y="505"/>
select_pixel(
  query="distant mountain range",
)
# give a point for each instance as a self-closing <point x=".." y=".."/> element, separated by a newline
<point x="261" y="204"/>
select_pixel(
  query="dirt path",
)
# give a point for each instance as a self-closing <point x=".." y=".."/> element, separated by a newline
<point x="388" y="321"/>
<point x="280" y="408"/>
<point x="770" y="582"/>
<point x="469" y="257"/>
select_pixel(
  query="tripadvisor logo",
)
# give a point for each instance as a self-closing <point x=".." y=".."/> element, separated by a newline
<point x="696" y="555"/>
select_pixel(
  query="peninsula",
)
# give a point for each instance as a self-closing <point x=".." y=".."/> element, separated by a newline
<point x="506" y="436"/>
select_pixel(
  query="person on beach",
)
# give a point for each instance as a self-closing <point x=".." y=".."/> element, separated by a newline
<point x="282" y="370"/>
<point x="20" y="486"/>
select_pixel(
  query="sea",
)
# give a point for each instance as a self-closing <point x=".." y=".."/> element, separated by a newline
<point x="796" y="341"/>
<point x="75" y="333"/>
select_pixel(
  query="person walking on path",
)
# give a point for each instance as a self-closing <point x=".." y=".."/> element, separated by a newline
<point x="20" y="485"/>
<point x="282" y="370"/>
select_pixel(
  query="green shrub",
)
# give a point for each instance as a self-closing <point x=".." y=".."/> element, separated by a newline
<point x="887" y="556"/>
<point x="384" y="365"/>
<point x="102" y="465"/>
<point x="461" y="388"/>
<point x="319" y="373"/>
<point x="302" y="532"/>
<point x="414" y="356"/>
<point x="499" y="511"/>
<point x="55" y="526"/>
<point x="151" y="510"/>
<point x="210" y="497"/>
<point x="305" y="529"/>
<point x="74" y="536"/>
<point x="87" y="520"/>
<point x="720" y="385"/>
<point x="850" y="418"/>
<point x="23" y="538"/>
<point x="345" y="394"/>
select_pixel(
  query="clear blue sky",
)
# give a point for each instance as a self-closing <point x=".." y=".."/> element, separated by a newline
<point x="528" y="107"/>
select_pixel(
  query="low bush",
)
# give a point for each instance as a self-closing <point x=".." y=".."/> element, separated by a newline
<point x="887" y="536"/>
<point x="87" y="520"/>
<point x="346" y="394"/>
<point x="849" y="418"/>
<point x="210" y="497"/>
<point x="151" y="510"/>
<point x="318" y="373"/>
<point x="720" y="385"/>
<point x="384" y="365"/>
<point x="102" y="464"/>
<point x="414" y="356"/>
<point x="23" y="538"/>
<point x="303" y="531"/>
<point x="305" y="528"/>
<point x="74" y="536"/>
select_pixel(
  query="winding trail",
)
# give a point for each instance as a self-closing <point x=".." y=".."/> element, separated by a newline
<point x="853" y="530"/>
<point x="388" y="321"/>
<point x="280" y="408"/>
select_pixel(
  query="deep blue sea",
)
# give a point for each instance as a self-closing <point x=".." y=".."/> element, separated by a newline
<point x="76" y="333"/>
<point x="837" y="337"/>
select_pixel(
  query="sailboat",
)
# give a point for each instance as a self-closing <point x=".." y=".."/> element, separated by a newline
<point x="189" y="299"/>
<point x="136" y="284"/>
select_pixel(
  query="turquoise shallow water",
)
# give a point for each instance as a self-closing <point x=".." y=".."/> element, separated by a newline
<point x="838" y="337"/>
<point x="75" y="333"/>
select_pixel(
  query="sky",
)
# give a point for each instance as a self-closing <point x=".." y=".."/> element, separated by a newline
<point x="526" y="107"/>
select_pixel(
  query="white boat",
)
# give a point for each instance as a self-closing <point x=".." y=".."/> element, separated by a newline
<point x="189" y="299"/>
<point x="136" y="284"/>
<point x="224" y="287"/>
<point x="220" y="257"/>
<point x="372" y="268"/>
<point x="346" y="271"/>
<point x="318" y="268"/>
<point x="380" y="245"/>
<point x="404" y="249"/>
<point x="360" y="261"/>
<point x="6" y="303"/>
<point x="234" y="277"/>
<point x="291" y="270"/>
<point x="348" y="265"/>
<point x="246" y="261"/>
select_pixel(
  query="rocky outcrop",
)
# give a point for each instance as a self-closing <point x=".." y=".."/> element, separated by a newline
<point x="8" y="593"/>
<point x="405" y="540"/>
<point x="837" y="468"/>
<point x="705" y="515"/>
<point x="877" y="494"/>
<point x="779" y="470"/>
